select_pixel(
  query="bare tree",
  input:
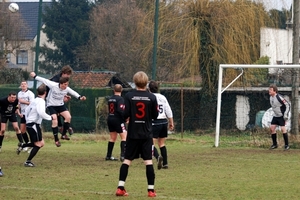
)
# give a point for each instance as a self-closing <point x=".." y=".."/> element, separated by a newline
<point x="191" y="34"/>
<point x="117" y="40"/>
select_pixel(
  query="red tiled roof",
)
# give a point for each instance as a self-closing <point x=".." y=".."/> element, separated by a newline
<point x="94" y="79"/>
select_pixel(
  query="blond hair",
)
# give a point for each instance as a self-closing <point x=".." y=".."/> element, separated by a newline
<point x="140" y="79"/>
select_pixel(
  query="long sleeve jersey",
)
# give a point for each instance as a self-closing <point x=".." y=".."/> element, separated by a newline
<point x="56" y="95"/>
<point x="277" y="106"/>
<point x="36" y="111"/>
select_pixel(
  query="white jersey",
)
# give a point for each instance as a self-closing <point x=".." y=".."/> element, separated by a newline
<point x="27" y="96"/>
<point x="163" y="107"/>
<point x="56" y="95"/>
<point x="36" y="111"/>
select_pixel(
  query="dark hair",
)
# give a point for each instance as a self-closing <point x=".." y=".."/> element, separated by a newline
<point x="274" y="87"/>
<point x="66" y="70"/>
<point x="63" y="80"/>
<point x="12" y="93"/>
<point x="153" y="87"/>
<point x="41" y="89"/>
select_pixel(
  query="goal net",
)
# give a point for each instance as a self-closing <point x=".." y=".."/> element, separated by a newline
<point x="243" y="98"/>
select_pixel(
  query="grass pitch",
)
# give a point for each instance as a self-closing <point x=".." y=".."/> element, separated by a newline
<point x="77" y="170"/>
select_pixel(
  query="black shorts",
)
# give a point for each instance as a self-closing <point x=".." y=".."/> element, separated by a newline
<point x="56" y="109"/>
<point x="139" y="148"/>
<point x="11" y="118"/>
<point x="115" y="125"/>
<point x="160" y="131"/>
<point x="278" y="121"/>
<point x="23" y="120"/>
<point x="34" y="131"/>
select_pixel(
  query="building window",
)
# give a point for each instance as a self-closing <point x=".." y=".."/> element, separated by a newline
<point x="22" y="57"/>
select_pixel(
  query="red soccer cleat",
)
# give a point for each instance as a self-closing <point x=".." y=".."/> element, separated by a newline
<point x="120" y="192"/>
<point x="151" y="194"/>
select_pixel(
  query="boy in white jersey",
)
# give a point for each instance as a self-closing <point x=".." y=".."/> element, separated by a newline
<point x="25" y="96"/>
<point x="34" y="114"/>
<point x="56" y="104"/>
<point x="160" y="126"/>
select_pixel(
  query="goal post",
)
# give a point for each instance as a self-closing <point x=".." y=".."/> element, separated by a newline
<point x="221" y="88"/>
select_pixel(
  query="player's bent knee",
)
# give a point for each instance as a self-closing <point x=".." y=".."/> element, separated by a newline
<point x="148" y="162"/>
<point x="39" y="144"/>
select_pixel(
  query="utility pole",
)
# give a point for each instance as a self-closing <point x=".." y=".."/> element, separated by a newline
<point x="154" y="58"/>
<point x="295" y="74"/>
<point x="37" y="46"/>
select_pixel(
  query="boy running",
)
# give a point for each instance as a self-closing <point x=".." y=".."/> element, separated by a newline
<point x="34" y="114"/>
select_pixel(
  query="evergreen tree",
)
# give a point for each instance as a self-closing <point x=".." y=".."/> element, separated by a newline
<point x="280" y="17"/>
<point x="67" y="27"/>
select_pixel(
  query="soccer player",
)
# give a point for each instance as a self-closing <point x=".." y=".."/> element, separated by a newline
<point x="115" y="122"/>
<point x="34" y="114"/>
<point x="9" y="108"/>
<point x="66" y="71"/>
<point x="1" y="173"/>
<point x="160" y="125"/>
<point x="140" y="109"/>
<point x="56" y="105"/>
<point x="281" y="109"/>
<point x="25" y="96"/>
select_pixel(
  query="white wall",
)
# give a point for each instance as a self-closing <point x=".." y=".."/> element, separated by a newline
<point x="242" y="109"/>
<point x="277" y="44"/>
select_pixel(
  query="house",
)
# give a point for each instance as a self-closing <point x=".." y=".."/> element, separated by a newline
<point x="91" y="79"/>
<point x="24" y="56"/>
<point x="277" y="44"/>
<point x="97" y="79"/>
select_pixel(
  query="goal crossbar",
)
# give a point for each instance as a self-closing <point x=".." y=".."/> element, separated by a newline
<point x="220" y="91"/>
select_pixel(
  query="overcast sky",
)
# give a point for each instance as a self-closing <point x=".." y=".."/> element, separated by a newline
<point x="277" y="4"/>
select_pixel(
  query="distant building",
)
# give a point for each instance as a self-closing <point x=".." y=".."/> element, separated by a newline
<point x="92" y="79"/>
<point x="24" y="57"/>
<point x="277" y="44"/>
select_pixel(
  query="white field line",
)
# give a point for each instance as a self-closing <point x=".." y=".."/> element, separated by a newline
<point x="78" y="191"/>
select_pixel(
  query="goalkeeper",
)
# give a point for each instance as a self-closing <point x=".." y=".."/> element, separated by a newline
<point x="281" y="109"/>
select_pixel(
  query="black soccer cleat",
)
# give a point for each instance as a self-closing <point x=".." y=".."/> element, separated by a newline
<point x="1" y="173"/>
<point x="286" y="147"/>
<point x="28" y="164"/>
<point x="111" y="159"/>
<point x="19" y="149"/>
<point x="165" y="167"/>
<point x="65" y="137"/>
<point x="159" y="162"/>
<point x="274" y="146"/>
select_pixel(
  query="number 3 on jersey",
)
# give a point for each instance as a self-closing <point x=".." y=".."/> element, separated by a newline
<point x="140" y="110"/>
